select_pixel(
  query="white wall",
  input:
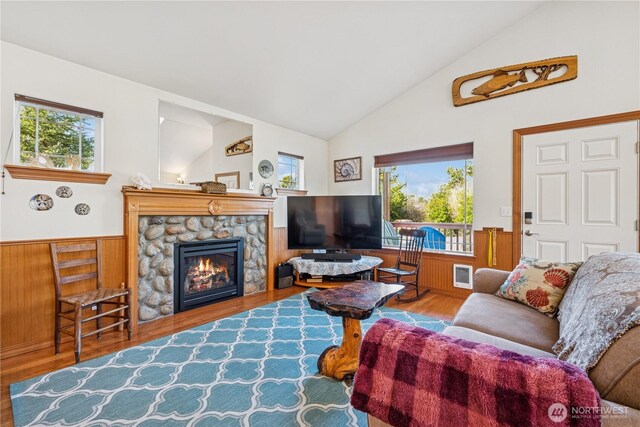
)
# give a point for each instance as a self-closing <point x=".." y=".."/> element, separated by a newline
<point x="315" y="157"/>
<point x="177" y="134"/>
<point x="604" y="35"/>
<point x="201" y="169"/>
<point x="131" y="144"/>
<point x="227" y="133"/>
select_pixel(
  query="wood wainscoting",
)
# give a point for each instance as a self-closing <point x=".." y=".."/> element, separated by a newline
<point x="27" y="290"/>
<point x="437" y="268"/>
<point x="280" y="246"/>
<point x="504" y="248"/>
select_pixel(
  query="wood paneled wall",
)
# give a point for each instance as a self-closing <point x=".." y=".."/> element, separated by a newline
<point x="280" y="250"/>
<point x="504" y="249"/>
<point x="437" y="268"/>
<point x="27" y="290"/>
<point x="436" y="271"/>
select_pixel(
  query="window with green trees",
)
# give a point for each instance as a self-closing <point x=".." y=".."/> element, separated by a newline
<point x="425" y="189"/>
<point x="290" y="171"/>
<point x="54" y="135"/>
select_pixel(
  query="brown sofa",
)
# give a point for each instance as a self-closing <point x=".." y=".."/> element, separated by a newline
<point x="510" y="325"/>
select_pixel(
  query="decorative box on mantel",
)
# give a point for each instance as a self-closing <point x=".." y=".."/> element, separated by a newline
<point x="167" y="202"/>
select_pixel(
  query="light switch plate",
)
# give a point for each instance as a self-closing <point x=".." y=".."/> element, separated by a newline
<point x="505" y="211"/>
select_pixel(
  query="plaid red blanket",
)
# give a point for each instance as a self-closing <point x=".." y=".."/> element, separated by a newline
<point x="410" y="376"/>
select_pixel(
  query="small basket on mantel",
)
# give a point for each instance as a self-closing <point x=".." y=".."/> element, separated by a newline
<point x="212" y="187"/>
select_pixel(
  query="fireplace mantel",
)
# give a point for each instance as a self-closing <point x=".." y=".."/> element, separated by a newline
<point x="168" y="201"/>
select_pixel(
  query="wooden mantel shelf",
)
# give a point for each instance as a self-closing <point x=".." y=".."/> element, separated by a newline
<point x="171" y="201"/>
<point x="166" y="191"/>
<point x="179" y="202"/>
<point x="50" y="174"/>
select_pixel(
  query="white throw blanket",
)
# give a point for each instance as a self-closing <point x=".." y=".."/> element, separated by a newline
<point x="601" y="304"/>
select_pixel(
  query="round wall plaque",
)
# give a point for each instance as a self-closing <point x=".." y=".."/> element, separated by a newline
<point x="83" y="209"/>
<point x="265" y="168"/>
<point x="41" y="202"/>
<point x="64" y="192"/>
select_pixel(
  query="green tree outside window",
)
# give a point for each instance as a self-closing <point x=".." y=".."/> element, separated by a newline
<point x="65" y="140"/>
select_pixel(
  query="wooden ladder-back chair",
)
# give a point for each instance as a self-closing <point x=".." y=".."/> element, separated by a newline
<point x="71" y="307"/>
<point x="407" y="268"/>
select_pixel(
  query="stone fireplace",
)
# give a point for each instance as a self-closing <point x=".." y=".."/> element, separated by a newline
<point x="156" y="220"/>
<point x="158" y="237"/>
<point x="206" y="272"/>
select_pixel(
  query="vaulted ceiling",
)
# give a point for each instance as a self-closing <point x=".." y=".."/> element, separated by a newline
<point x="315" y="67"/>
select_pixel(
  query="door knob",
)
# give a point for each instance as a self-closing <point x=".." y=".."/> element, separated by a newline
<point x="530" y="233"/>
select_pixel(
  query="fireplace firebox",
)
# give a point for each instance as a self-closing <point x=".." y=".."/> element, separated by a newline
<point x="207" y="272"/>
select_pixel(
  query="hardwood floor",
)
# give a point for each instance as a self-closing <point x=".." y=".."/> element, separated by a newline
<point x="433" y="305"/>
<point x="22" y="367"/>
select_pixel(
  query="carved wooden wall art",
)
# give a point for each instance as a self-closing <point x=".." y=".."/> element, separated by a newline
<point x="243" y="146"/>
<point x="515" y="78"/>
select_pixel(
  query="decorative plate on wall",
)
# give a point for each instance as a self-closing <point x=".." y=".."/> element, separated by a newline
<point x="41" y="202"/>
<point x="265" y="167"/>
<point x="64" y="192"/>
<point x="83" y="209"/>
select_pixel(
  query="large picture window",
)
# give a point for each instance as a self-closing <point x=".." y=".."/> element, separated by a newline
<point x="431" y="189"/>
<point x="57" y="135"/>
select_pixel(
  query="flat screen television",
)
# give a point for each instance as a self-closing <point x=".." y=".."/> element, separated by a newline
<point x="334" y="222"/>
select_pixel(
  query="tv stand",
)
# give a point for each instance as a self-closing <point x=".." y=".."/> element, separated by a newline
<point x="332" y="274"/>
<point x="332" y="257"/>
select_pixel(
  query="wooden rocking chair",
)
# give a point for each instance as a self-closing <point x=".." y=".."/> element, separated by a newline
<point x="75" y="304"/>
<point x="407" y="268"/>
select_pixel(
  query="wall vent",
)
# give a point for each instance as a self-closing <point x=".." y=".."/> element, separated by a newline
<point x="462" y="276"/>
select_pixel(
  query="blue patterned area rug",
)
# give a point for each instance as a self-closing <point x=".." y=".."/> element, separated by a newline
<point x="257" y="368"/>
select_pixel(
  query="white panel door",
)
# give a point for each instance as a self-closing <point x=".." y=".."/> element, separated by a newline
<point x="580" y="192"/>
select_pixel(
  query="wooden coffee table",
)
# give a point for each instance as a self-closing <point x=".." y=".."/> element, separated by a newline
<point x="353" y="302"/>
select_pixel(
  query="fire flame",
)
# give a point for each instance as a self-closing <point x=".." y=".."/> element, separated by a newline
<point x="205" y="275"/>
<point x="205" y="267"/>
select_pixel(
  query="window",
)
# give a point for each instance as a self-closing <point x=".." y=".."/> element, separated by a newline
<point x="290" y="171"/>
<point x="58" y="136"/>
<point x="431" y="189"/>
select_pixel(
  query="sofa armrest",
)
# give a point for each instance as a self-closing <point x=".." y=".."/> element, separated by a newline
<point x="617" y="415"/>
<point x="489" y="280"/>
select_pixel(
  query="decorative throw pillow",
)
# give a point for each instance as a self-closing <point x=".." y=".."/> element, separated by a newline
<point x="539" y="284"/>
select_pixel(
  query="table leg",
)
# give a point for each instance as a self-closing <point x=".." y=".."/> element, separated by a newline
<point x="340" y="362"/>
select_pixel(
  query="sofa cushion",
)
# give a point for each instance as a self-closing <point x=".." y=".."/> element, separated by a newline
<point x="539" y="284"/>
<point x="481" y="337"/>
<point x="509" y="320"/>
